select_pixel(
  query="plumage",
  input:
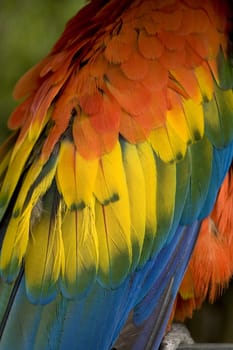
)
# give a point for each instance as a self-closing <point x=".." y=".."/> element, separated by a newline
<point x="117" y="156"/>
<point x="213" y="250"/>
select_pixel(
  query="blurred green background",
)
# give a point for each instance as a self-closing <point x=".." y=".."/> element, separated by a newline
<point x="28" y="30"/>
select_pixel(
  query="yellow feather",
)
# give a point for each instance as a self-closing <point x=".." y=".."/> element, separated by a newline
<point x="19" y="156"/>
<point x="159" y="140"/>
<point x="38" y="125"/>
<point x="177" y="121"/>
<point x="31" y="176"/>
<point x="195" y="118"/>
<point x="6" y="150"/>
<point x="113" y="219"/>
<point x="205" y="81"/>
<point x="14" y="245"/>
<point x="137" y="200"/>
<point x="4" y="162"/>
<point x="66" y="173"/>
<point x="165" y="200"/>
<point x="45" y="255"/>
<point x="81" y="251"/>
<point x="178" y="146"/>
<point x="110" y="183"/>
<point x="75" y="176"/>
<point x="86" y="172"/>
<point x="14" y="171"/>
<point x="16" y="237"/>
<point x="115" y="251"/>
<point x="148" y="164"/>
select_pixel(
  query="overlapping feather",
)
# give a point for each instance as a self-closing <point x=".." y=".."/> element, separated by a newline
<point x="105" y="184"/>
<point x="116" y="146"/>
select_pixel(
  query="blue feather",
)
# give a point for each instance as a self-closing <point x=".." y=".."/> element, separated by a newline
<point x="222" y="159"/>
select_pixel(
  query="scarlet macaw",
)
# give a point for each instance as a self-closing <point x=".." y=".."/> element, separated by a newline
<point x="117" y="155"/>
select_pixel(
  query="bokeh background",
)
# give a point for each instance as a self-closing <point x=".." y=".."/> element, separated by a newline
<point x="28" y="30"/>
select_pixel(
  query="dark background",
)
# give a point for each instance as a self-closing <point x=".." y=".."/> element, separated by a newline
<point x="28" y="31"/>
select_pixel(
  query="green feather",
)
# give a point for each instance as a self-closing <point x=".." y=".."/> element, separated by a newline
<point x="201" y="168"/>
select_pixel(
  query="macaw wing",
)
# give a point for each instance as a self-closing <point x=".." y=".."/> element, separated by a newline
<point x="120" y="148"/>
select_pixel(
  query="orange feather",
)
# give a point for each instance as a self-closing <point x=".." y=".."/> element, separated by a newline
<point x="211" y="265"/>
<point x="127" y="51"/>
